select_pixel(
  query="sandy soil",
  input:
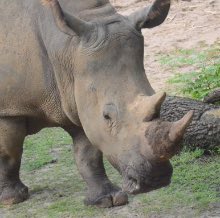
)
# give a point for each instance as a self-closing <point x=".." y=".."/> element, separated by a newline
<point x="190" y="24"/>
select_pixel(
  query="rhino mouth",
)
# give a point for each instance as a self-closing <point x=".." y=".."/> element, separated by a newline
<point x="134" y="187"/>
<point x="131" y="186"/>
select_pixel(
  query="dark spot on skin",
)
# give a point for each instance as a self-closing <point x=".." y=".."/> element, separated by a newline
<point x="107" y="117"/>
<point x="92" y="88"/>
<point x="99" y="3"/>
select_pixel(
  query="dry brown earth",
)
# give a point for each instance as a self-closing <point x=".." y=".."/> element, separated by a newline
<point x="190" y="24"/>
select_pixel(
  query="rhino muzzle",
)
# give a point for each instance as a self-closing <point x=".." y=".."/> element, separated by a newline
<point x="154" y="177"/>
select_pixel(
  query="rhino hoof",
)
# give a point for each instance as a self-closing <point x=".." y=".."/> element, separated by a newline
<point x="14" y="194"/>
<point x="111" y="200"/>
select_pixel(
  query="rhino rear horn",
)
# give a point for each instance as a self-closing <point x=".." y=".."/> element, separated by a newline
<point x="68" y="24"/>
<point x="154" y="106"/>
<point x="157" y="100"/>
<point x="152" y="16"/>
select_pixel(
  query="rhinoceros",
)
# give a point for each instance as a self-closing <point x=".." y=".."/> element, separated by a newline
<point x="78" y="64"/>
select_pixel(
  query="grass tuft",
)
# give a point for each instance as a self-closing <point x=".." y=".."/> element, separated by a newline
<point x="203" y="74"/>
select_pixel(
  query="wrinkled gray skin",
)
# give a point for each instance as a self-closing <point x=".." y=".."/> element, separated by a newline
<point x="88" y="78"/>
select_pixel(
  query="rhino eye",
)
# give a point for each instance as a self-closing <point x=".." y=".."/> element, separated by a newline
<point x="107" y="117"/>
<point x="110" y="112"/>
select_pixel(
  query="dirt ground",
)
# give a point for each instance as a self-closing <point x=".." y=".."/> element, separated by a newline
<point x="190" y="24"/>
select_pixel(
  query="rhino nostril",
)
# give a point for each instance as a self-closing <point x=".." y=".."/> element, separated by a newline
<point x="137" y="187"/>
<point x="135" y="183"/>
<point x="132" y="179"/>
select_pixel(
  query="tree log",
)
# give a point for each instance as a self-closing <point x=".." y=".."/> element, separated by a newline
<point x="213" y="97"/>
<point x="204" y="131"/>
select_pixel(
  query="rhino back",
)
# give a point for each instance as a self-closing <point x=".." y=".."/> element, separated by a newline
<point x="88" y="9"/>
<point x="77" y="6"/>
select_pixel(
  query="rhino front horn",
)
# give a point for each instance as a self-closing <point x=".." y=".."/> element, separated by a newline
<point x="178" y="128"/>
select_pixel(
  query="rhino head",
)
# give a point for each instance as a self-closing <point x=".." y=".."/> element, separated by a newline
<point x="117" y="107"/>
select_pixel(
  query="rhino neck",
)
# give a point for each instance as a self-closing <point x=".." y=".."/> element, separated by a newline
<point x="97" y="13"/>
<point x="63" y="67"/>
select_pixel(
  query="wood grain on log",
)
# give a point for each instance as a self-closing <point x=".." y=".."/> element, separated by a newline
<point x="204" y="131"/>
<point x="213" y="97"/>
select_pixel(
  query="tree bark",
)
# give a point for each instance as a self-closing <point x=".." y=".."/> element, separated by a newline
<point x="204" y="131"/>
<point x="213" y="97"/>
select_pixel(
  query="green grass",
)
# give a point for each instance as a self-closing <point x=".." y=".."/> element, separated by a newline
<point x="203" y="75"/>
<point x="38" y="147"/>
<point x="57" y="189"/>
<point x="198" y="84"/>
<point x="194" y="185"/>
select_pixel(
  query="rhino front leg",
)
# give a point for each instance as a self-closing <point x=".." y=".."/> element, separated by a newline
<point x="12" y="134"/>
<point x="101" y="192"/>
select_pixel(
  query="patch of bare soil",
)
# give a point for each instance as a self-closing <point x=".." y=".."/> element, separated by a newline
<point x="190" y="23"/>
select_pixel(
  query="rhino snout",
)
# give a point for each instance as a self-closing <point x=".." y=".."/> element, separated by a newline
<point x="158" y="177"/>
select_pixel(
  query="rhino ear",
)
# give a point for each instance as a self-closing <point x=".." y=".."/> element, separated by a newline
<point x="68" y="24"/>
<point x="151" y="16"/>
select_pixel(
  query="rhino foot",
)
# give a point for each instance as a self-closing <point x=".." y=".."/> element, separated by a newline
<point x="113" y="199"/>
<point x="13" y="194"/>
